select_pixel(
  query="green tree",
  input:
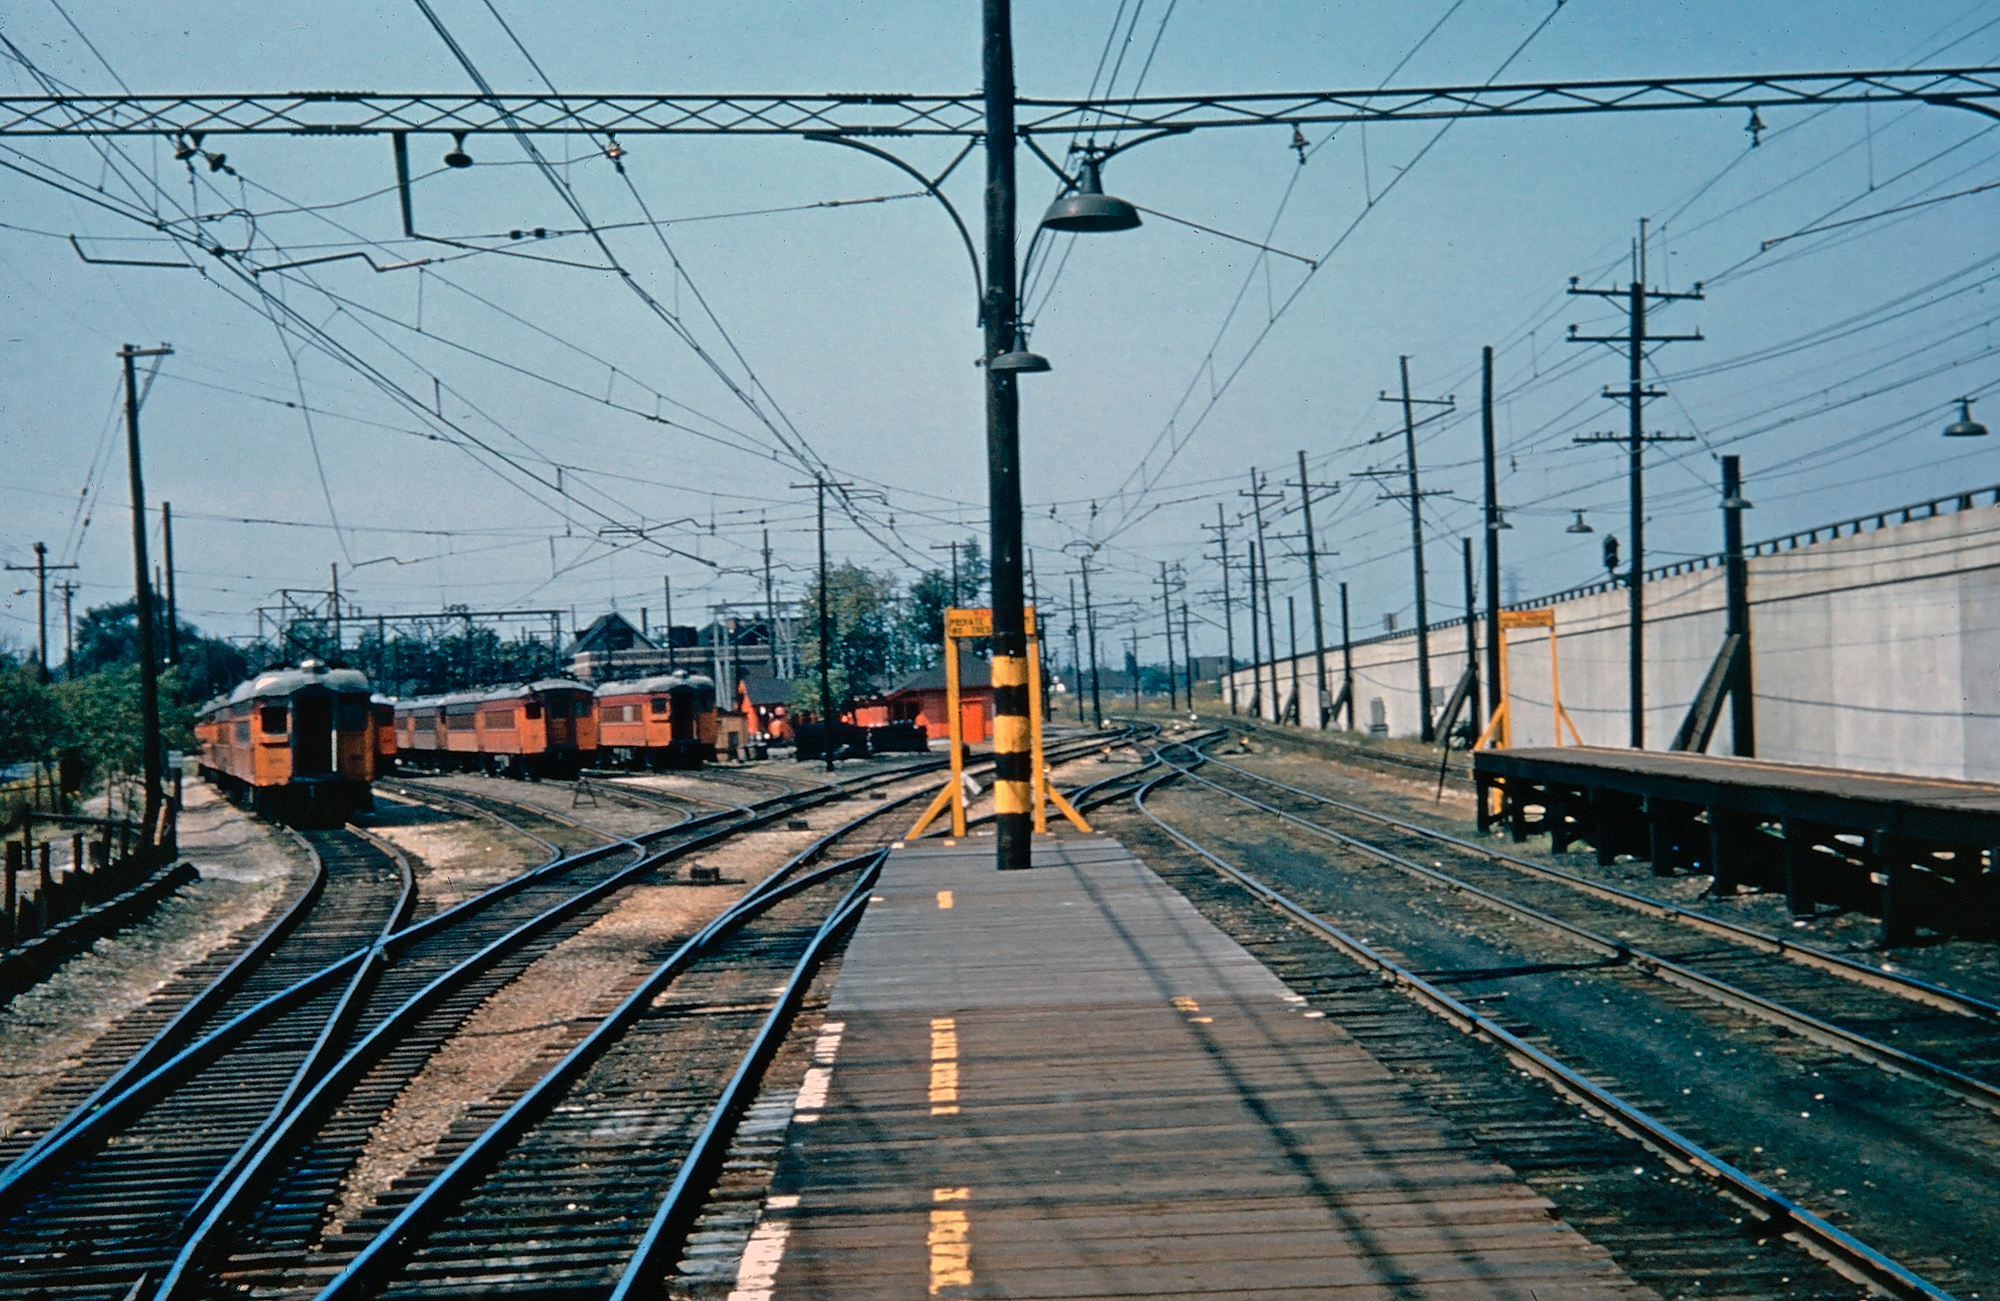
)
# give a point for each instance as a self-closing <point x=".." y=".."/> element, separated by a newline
<point x="863" y="611"/>
<point x="109" y="635"/>
<point x="102" y="717"/>
<point x="31" y="717"/>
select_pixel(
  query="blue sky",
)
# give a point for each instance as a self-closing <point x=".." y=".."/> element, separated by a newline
<point x="1830" y="360"/>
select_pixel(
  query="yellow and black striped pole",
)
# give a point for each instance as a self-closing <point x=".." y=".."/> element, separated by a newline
<point x="1013" y="756"/>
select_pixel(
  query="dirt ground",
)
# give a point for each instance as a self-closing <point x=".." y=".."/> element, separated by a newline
<point x="533" y="1013"/>
<point x="247" y="869"/>
<point x="454" y="857"/>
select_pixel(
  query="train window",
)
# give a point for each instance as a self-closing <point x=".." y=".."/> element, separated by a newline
<point x="353" y="718"/>
<point x="499" y="720"/>
<point x="531" y="710"/>
<point x="272" y="720"/>
<point x="660" y="705"/>
<point x="458" y="722"/>
<point x="243" y="732"/>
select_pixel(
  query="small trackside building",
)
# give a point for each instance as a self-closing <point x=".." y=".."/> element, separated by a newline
<point x="919" y="699"/>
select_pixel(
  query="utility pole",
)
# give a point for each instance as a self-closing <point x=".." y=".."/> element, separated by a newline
<point x="1472" y="710"/>
<point x="149" y="664"/>
<point x="1635" y="395"/>
<point x="1187" y="648"/>
<point x="1221" y="527"/>
<point x="173" y="600"/>
<point x="1133" y="663"/>
<point x="1167" y="617"/>
<point x="1256" y="657"/>
<point x="1257" y="494"/>
<point x="1426" y="731"/>
<point x="1012" y="761"/>
<point x="1346" y="658"/>
<point x="770" y="610"/>
<point x="1075" y="657"/>
<point x="1305" y="487"/>
<point x="41" y="568"/>
<point x="819" y="485"/>
<point x="1742" y="708"/>
<point x="1494" y="523"/>
<point x="334" y="602"/>
<point x="1270" y="624"/>
<point x="69" y="591"/>
<point x="667" y="593"/>
<point x="1292" y="616"/>
<point x="953" y="548"/>
<point x="1090" y="628"/>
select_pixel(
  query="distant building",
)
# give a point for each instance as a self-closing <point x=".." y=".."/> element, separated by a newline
<point x="608" y="633"/>
<point x="611" y="649"/>
<point x="766" y="705"/>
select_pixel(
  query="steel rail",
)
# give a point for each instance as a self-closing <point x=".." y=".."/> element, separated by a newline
<point x="334" y="1030"/>
<point x="226" y="1197"/>
<point x="198" y="1008"/>
<point x="1908" y="987"/>
<point x="396" y="1239"/>
<point x="668" y="1231"/>
<point x="111" y="1113"/>
<point x="1967" y="1088"/>
<point x="1813" y="1232"/>
<point x="425" y="792"/>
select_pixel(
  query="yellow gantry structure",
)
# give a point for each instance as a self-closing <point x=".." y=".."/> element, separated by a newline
<point x="960" y="624"/>
<point x="1498" y="730"/>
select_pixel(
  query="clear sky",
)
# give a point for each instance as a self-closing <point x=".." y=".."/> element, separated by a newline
<point x="288" y="429"/>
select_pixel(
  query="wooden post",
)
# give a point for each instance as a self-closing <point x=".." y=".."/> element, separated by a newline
<point x="1798" y="869"/>
<point x="957" y="725"/>
<point x="11" y="886"/>
<point x="1039" y="779"/>
<point x="47" y="879"/>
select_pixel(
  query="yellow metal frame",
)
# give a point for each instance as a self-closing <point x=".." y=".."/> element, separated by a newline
<point x="1498" y="730"/>
<point x="960" y="624"/>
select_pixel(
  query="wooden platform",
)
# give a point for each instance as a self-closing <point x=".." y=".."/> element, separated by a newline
<point x="1910" y="850"/>
<point x="1930" y="808"/>
<point x="1068" y="1083"/>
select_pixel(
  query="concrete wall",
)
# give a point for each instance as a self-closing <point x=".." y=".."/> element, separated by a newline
<point x="1877" y="650"/>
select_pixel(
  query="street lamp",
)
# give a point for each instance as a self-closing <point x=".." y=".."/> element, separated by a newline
<point x="1965" y="426"/>
<point x="1087" y="208"/>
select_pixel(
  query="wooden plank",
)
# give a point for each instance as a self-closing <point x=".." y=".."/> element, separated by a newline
<point x="1068" y="1083"/>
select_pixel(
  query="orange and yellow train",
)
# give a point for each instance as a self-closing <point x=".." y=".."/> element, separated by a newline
<point x="302" y="744"/>
<point x="555" y="727"/>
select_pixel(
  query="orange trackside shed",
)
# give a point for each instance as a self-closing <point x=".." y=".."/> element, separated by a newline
<point x="920" y="698"/>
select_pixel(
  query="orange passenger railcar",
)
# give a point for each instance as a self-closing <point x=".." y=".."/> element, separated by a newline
<point x="659" y="722"/>
<point x="295" y="743"/>
<point x="540" y="729"/>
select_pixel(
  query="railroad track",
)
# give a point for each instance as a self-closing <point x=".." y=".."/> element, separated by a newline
<point x="561" y="1164"/>
<point x="105" y="1200"/>
<point x="1323" y="745"/>
<point x="1953" y="1043"/>
<point x="197" y="1201"/>
<point x="1315" y="931"/>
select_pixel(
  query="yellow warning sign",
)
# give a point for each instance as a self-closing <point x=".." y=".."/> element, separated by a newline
<point x="978" y="623"/>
